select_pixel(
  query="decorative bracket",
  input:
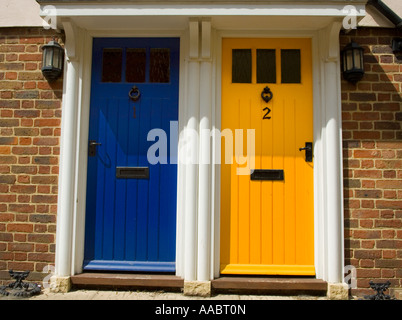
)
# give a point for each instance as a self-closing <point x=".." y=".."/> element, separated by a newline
<point x="380" y="288"/>
<point x="18" y="288"/>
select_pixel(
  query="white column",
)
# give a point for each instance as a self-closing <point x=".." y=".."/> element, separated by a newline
<point x="204" y="183"/>
<point x="193" y="100"/>
<point x="65" y="205"/>
<point x="334" y="178"/>
<point x="332" y="139"/>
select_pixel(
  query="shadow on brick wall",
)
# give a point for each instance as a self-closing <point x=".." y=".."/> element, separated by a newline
<point x="372" y="153"/>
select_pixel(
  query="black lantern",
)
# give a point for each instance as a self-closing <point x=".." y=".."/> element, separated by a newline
<point x="53" y="60"/>
<point x="352" y="62"/>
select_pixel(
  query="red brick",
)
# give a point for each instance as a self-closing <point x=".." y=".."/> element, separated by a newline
<point x="388" y="164"/>
<point x="389" y="184"/>
<point x="367" y="154"/>
<point x="5" y="150"/>
<point x="22" y="208"/>
<point x="44" y="199"/>
<point x="367" y="174"/>
<point x="389" y="204"/>
<point x="368" y="273"/>
<point x="25" y="150"/>
<point x="26" y="189"/>
<point x="367" y="254"/>
<point x="44" y="257"/>
<point x="45" y="141"/>
<point x="47" y="122"/>
<point x="388" y="224"/>
<point x="29" y="266"/>
<point x="367" y="234"/>
<point x="366" y="135"/>
<point x="19" y="227"/>
<point x="30" y="57"/>
<point x="20" y="247"/>
<point x="362" y="96"/>
<point x="368" y="194"/>
<point x="41" y="238"/>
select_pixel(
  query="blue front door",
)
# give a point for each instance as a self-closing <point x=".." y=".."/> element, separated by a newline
<point x="131" y="201"/>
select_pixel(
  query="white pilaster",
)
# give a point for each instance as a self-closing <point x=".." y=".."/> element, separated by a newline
<point x="204" y="183"/>
<point x="191" y="181"/>
<point x="332" y="156"/>
<point x="65" y="206"/>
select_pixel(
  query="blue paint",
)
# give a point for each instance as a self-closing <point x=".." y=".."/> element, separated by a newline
<point x="131" y="223"/>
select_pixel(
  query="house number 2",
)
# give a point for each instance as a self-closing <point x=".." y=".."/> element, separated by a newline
<point x="266" y="114"/>
<point x="266" y="95"/>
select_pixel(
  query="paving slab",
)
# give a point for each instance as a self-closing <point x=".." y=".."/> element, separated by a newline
<point x="150" y="295"/>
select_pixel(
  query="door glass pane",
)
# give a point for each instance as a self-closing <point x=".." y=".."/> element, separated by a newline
<point x="266" y="66"/>
<point x="112" y="65"/>
<point x="241" y="65"/>
<point x="135" y="65"/>
<point x="291" y="66"/>
<point x="159" y="65"/>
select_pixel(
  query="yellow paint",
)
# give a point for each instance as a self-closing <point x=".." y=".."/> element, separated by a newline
<point x="267" y="227"/>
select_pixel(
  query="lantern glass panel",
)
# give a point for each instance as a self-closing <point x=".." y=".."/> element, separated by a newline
<point x="61" y="59"/>
<point x="48" y="57"/>
<point x="56" y="59"/>
<point x="357" y="59"/>
<point x="348" y="60"/>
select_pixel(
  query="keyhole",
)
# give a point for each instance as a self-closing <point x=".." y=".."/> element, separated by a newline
<point x="134" y="115"/>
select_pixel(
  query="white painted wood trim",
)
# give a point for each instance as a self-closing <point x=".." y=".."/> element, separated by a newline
<point x="207" y="10"/>
<point x="65" y="205"/>
<point x="204" y="183"/>
<point x="82" y="153"/>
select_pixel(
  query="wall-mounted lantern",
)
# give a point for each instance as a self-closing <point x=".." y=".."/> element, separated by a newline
<point x="352" y="62"/>
<point x="397" y="45"/>
<point x="53" y="60"/>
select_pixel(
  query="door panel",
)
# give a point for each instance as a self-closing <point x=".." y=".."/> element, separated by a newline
<point x="131" y="221"/>
<point x="267" y="226"/>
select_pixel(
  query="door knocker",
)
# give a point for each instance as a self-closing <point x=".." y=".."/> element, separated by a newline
<point x="266" y="94"/>
<point x="134" y="93"/>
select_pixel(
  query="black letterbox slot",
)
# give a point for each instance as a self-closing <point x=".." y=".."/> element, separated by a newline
<point x="132" y="172"/>
<point x="263" y="174"/>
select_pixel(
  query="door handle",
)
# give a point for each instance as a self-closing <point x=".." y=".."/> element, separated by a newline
<point x="309" y="151"/>
<point x="92" y="147"/>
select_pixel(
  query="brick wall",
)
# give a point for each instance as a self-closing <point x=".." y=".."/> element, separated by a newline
<point x="30" y="111"/>
<point x="372" y="153"/>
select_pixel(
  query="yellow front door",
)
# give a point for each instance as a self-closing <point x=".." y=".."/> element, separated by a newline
<point x="267" y="217"/>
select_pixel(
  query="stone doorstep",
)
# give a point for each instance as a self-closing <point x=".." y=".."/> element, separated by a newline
<point x="246" y="285"/>
<point x="122" y="281"/>
<point x="276" y="286"/>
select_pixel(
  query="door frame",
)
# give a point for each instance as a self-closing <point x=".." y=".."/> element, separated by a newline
<point x="327" y="133"/>
<point x="78" y="73"/>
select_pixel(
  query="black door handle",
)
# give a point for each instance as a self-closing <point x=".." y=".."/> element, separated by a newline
<point x="309" y="151"/>
<point x="92" y="148"/>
